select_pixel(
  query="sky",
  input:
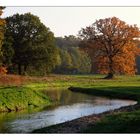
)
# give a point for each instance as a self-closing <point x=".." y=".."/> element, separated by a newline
<point x="69" y="20"/>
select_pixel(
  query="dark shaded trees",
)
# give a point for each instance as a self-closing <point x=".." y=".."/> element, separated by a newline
<point x="33" y="43"/>
<point x="67" y="41"/>
<point x="3" y="69"/>
<point x="8" y="51"/>
<point x="2" y="31"/>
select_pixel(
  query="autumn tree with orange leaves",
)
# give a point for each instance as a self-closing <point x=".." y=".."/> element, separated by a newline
<point x="111" y="45"/>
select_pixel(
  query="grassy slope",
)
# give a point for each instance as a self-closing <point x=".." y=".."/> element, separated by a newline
<point x="18" y="98"/>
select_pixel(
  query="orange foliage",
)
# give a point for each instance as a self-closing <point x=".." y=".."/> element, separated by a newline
<point x="12" y="80"/>
<point x="112" y="45"/>
<point x="122" y="64"/>
<point x="3" y="71"/>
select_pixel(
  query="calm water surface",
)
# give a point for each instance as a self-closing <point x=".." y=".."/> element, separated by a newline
<point x="72" y="105"/>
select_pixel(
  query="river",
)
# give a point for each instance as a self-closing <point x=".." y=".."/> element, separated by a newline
<point x="71" y="105"/>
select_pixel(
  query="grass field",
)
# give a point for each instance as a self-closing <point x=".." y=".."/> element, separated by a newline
<point x="13" y="89"/>
<point x="69" y="80"/>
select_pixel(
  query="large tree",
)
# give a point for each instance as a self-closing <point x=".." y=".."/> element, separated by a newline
<point x="33" y="42"/>
<point x="111" y="44"/>
<point x="2" y="30"/>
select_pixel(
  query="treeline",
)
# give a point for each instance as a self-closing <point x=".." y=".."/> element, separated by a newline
<point x="72" y="59"/>
<point x="30" y="48"/>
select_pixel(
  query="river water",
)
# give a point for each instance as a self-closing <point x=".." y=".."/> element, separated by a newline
<point x="71" y="105"/>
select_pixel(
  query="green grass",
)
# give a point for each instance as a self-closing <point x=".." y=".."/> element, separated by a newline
<point x="85" y="81"/>
<point x="132" y="93"/>
<point x="19" y="98"/>
<point x="118" y="123"/>
<point x="124" y="84"/>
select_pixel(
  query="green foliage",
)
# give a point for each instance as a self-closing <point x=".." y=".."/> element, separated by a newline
<point x="33" y="43"/>
<point x="67" y="41"/>
<point x="73" y="60"/>
<point x="66" y="60"/>
<point x="2" y="31"/>
<point x="8" y="50"/>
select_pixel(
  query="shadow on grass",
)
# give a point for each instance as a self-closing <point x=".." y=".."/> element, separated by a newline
<point x="129" y="92"/>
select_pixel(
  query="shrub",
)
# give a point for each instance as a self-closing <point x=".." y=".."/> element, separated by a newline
<point x="3" y="70"/>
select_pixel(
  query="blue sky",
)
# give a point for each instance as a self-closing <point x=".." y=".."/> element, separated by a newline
<point x="69" y="20"/>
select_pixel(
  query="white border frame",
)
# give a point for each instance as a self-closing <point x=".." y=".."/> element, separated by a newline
<point x="70" y="2"/>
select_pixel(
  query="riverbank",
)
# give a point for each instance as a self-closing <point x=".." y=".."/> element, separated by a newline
<point x="88" y="124"/>
<point x="123" y="120"/>
<point x="19" y="98"/>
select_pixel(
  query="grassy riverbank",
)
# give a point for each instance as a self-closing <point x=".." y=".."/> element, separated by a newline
<point x="18" y="92"/>
<point x="15" y="89"/>
<point x="126" y="92"/>
<point x="19" y="98"/>
<point x="123" y="120"/>
<point x="123" y="87"/>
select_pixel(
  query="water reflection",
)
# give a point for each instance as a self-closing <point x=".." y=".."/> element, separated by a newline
<point x="71" y="106"/>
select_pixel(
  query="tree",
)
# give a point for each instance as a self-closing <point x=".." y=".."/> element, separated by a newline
<point x="67" y="41"/>
<point x="33" y="43"/>
<point x="73" y="60"/>
<point x="111" y="43"/>
<point x="2" y="31"/>
<point x="66" y="62"/>
<point x="7" y="50"/>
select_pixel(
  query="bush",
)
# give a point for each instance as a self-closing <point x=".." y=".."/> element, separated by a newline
<point x="3" y="70"/>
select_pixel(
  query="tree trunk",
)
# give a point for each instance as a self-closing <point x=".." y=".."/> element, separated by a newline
<point x="25" y="69"/>
<point x="109" y="76"/>
<point x="111" y="71"/>
<point x="19" y="69"/>
<point x="93" y="69"/>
